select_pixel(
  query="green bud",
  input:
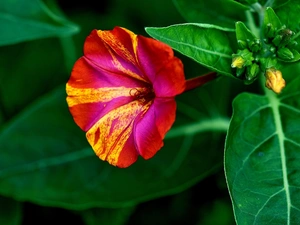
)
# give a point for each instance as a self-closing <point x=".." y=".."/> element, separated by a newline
<point x="242" y="44"/>
<point x="286" y="36"/>
<point x="277" y="40"/>
<point x="285" y="54"/>
<point x="285" y="31"/>
<point x="270" y="31"/>
<point x="255" y="45"/>
<point x="242" y="58"/>
<point x="266" y="63"/>
<point x="271" y="23"/>
<point x="252" y="71"/>
<point x="272" y="49"/>
<point x="292" y="44"/>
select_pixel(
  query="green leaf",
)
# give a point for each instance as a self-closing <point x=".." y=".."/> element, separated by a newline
<point x="262" y="156"/>
<point x="43" y="149"/>
<point x="272" y="18"/>
<point x="271" y="23"/>
<point x="288" y="13"/>
<point x="222" y="13"/>
<point x="22" y="20"/>
<point x="96" y="216"/>
<point x="11" y="211"/>
<point x="207" y="44"/>
<point x="289" y="16"/>
<point x="276" y="3"/>
<point x="38" y="68"/>
<point x="243" y="33"/>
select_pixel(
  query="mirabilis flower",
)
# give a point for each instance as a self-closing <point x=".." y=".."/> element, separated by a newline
<point x="274" y="80"/>
<point x="122" y="94"/>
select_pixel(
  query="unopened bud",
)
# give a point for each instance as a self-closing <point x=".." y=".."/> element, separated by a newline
<point x="285" y="54"/>
<point x="292" y="44"/>
<point x="238" y="62"/>
<point x="277" y="40"/>
<point x="271" y="23"/>
<point x="272" y="49"/>
<point x="270" y="31"/>
<point x="274" y="80"/>
<point x="255" y="45"/>
<point x="286" y="35"/>
<point x="242" y="44"/>
<point x="252" y="71"/>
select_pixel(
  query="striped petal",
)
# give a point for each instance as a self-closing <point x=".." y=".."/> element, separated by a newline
<point x="114" y="52"/>
<point x="113" y="134"/>
<point x="92" y="92"/>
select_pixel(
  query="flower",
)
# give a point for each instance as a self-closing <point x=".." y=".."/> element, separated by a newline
<point x="274" y="80"/>
<point x="121" y="92"/>
<point x="238" y="62"/>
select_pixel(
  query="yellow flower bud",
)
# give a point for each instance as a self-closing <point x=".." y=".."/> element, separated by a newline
<point x="237" y="62"/>
<point x="274" y="80"/>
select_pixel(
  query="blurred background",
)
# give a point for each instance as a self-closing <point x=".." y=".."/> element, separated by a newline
<point x="30" y="70"/>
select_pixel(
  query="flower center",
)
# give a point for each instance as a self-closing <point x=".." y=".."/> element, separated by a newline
<point x="143" y="95"/>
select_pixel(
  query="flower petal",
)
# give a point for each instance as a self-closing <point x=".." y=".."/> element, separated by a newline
<point x="86" y="74"/>
<point x="92" y="92"/>
<point x="113" y="134"/>
<point x="151" y="128"/>
<point x="113" y="51"/>
<point x="164" y="70"/>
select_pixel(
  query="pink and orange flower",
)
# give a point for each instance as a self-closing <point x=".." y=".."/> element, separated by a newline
<point x="122" y="94"/>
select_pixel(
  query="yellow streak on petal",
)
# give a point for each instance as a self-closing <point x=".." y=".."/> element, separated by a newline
<point x="90" y="95"/>
<point x="134" y="41"/>
<point x="112" y="43"/>
<point x="115" y="129"/>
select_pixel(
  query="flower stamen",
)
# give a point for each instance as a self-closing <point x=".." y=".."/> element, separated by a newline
<point x="143" y="95"/>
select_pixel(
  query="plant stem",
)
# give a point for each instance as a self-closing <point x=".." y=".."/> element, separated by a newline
<point x="219" y="124"/>
<point x="193" y="83"/>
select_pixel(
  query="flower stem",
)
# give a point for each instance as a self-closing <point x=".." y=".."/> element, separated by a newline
<point x="193" y="83"/>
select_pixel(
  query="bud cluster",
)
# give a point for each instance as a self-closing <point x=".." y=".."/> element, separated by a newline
<point x="264" y="56"/>
<point x="246" y="60"/>
<point x="279" y="38"/>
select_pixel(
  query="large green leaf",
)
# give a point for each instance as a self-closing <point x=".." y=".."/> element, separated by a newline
<point x="10" y="211"/>
<point x="276" y="3"/>
<point x="218" y="12"/>
<point x="45" y="158"/>
<point x="288" y="13"/>
<point x="28" y="70"/>
<point x="24" y="20"/>
<point x="262" y="157"/>
<point x="208" y="45"/>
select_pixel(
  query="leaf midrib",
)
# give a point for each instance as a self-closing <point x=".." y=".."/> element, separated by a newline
<point x="193" y="47"/>
<point x="45" y="163"/>
<point x="275" y="104"/>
